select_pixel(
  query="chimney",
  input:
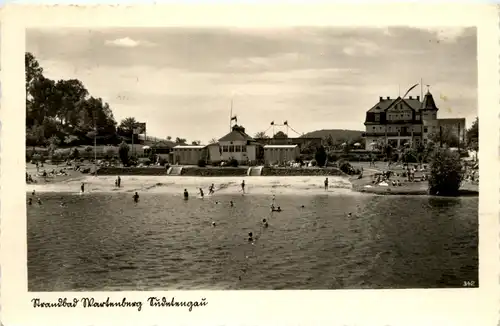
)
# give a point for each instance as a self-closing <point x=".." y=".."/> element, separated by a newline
<point x="380" y="98"/>
<point x="418" y="97"/>
<point x="411" y="97"/>
<point x="388" y="97"/>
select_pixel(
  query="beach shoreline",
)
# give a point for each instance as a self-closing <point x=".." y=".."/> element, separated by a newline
<point x="177" y="184"/>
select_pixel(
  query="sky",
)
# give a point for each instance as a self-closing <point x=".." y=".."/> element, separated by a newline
<point x="181" y="81"/>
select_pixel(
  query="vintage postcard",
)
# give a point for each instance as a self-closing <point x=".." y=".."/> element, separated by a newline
<point x="208" y="164"/>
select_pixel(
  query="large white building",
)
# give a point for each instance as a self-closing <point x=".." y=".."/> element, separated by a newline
<point x="403" y="121"/>
<point x="236" y="145"/>
<point x="280" y="154"/>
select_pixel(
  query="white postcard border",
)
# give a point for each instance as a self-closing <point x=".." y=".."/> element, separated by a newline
<point x="339" y="307"/>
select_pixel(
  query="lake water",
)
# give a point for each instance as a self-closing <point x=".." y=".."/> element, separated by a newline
<point x="106" y="242"/>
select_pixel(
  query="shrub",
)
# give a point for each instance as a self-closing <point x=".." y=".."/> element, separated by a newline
<point x="36" y="157"/>
<point x="216" y="163"/>
<point x="233" y="162"/>
<point x="74" y="153"/>
<point x="144" y="161"/>
<point x="123" y="153"/>
<point x="332" y="157"/>
<point x="346" y="167"/>
<point x="445" y="173"/>
<point x="314" y="163"/>
<point x="162" y="161"/>
<point x="320" y="156"/>
<point x="202" y="163"/>
<point x="133" y="161"/>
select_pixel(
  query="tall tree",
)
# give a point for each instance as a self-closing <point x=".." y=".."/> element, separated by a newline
<point x="180" y="141"/>
<point x="473" y="135"/>
<point x="260" y="134"/>
<point x="280" y="134"/>
<point x="213" y="141"/>
<point x="127" y="125"/>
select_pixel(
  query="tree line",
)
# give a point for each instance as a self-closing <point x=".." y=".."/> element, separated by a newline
<point x="64" y="113"/>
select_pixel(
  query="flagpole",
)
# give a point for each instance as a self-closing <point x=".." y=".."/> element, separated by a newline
<point x="231" y="115"/>
<point x="421" y="90"/>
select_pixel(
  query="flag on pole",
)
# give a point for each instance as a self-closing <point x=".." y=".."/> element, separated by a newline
<point x="234" y="118"/>
<point x="285" y="123"/>
<point x="409" y="90"/>
<point x="272" y="123"/>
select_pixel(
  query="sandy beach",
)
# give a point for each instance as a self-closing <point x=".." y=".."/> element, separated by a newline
<point x="176" y="185"/>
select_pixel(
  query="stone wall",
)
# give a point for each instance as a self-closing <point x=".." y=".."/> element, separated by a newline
<point x="193" y="171"/>
<point x="282" y="172"/>
<point x="132" y="171"/>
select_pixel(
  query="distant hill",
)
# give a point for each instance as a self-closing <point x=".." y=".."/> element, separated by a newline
<point x="337" y="134"/>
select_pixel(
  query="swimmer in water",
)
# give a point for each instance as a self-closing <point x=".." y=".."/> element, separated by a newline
<point x="82" y="188"/>
<point x="136" y="197"/>
<point x="243" y="186"/>
<point x="30" y="201"/>
<point x="265" y="223"/>
<point x="326" y="184"/>
<point x="213" y="224"/>
<point x="250" y="237"/>
<point x="231" y="203"/>
<point x="349" y="214"/>
<point x="33" y="192"/>
<point x="302" y="206"/>
<point x="186" y="194"/>
<point x="62" y="204"/>
<point x="39" y="201"/>
<point x="201" y="193"/>
<point x="119" y="182"/>
<point x="211" y="189"/>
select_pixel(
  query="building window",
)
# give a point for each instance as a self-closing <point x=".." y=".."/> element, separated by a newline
<point x="243" y="148"/>
<point x="425" y="129"/>
<point x="236" y="148"/>
<point x="231" y="148"/>
<point x="417" y="117"/>
<point x="225" y="148"/>
<point x="377" y="117"/>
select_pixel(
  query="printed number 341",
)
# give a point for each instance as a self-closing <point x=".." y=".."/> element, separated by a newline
<point x="469" y="283"/>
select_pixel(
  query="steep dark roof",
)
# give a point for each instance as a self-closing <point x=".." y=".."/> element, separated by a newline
<point x="237" y="134"/>
<point x="385" y="104"/>
<point x="428" y="103"/>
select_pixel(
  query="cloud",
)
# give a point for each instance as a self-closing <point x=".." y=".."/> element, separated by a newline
<point x="126" y="42"/>
<point x="448" y="34"/>
<point x="362" y="48"/>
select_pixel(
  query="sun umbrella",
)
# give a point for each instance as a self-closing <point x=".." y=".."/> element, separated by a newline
<point x="357" y="144"/>
<point x="146" y="147"/>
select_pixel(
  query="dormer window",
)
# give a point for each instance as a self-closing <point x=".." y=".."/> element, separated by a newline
<point x="417" y="117"/>
<point x="377" y="117"/>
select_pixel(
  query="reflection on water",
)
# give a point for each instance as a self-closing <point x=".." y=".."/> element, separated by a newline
<point x="107" y="242"/>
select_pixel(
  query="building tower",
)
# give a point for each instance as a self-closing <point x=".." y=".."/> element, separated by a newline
<point x="428" y="111"/>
